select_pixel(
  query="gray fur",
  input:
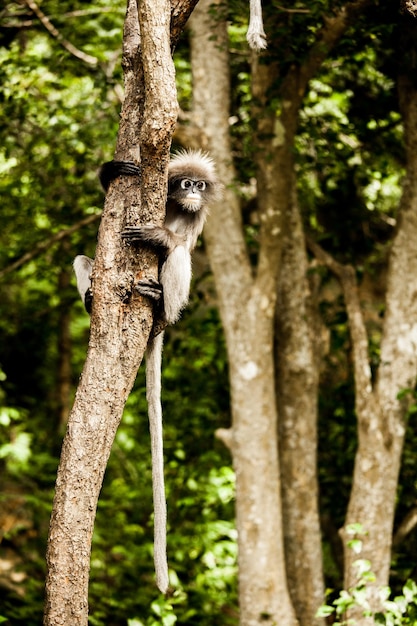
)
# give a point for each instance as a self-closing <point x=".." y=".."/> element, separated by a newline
<point x="83" y="266"/>
<point x="186" y="213"/>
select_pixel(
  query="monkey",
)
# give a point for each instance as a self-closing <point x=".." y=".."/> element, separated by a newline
<point x="192" y="186"/>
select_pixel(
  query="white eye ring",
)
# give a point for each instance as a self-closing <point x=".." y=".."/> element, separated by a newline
<point x="186" y="183"/>
<point x="201" y="185"/>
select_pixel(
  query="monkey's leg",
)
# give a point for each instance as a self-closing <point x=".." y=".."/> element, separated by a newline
<point x="112" y="169"/>
<point x="83" y="266"/>
<point x="153" y="290"/>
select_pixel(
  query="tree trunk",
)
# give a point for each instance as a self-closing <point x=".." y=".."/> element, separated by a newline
<point x="382" y="414"/>
<point x="247" y="309"/>
<point x="297" y="391"/>
<point x="119" y="328"/>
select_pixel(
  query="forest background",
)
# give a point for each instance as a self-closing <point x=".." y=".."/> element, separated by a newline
<point x="316" y="143"/>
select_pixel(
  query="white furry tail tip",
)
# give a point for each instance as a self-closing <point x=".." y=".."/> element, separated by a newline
<point x="162" y="581"/>
<point x="255" y="36"/>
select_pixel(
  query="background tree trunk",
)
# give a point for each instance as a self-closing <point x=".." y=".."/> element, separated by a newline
<point x="382" y="409"/>
<point x="297" y="377"/>
<point x="247" y="308"/>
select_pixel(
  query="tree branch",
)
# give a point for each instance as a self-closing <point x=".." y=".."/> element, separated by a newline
<point x="358" y="334"/>
<point x="180" y="12"/>
<point x="407" y="525"/>
<point x="47" y="243"/>
<point x="79" y="54"/>
<point x="225" y="435"/>
<point x="286" y="10"/>
<point x="327" y="37"/>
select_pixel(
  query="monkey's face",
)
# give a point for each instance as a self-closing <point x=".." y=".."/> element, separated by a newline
<point x="189" y="193"/>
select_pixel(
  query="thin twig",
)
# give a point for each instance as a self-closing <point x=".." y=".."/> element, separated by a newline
<point x="280" y="8"/>
<point x="407" y="525"/>
<point x="79" y="54"/>
<point x="45" y="245"/>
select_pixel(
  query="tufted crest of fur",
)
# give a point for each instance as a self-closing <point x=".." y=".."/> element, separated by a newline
<point x="197" y="165"/>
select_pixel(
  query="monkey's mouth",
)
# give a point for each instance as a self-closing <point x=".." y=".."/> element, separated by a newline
<point x="192" y="202"/>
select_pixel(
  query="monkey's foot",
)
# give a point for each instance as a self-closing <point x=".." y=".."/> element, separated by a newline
<point x="149" y="287"/>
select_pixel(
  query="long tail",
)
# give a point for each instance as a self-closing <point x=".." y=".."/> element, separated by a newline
<point x="255" y="35"/>
<point x="153" y="396"/>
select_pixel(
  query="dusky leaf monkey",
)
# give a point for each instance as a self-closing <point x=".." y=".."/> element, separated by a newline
<point x="192" y="186"/>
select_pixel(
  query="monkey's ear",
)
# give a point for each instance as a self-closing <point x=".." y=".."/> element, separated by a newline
<point x="113" y="169"/>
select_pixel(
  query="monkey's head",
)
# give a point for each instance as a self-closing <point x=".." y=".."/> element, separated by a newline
<point x="192" y="180"/>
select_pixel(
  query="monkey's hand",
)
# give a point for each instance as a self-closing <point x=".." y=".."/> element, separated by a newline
<point x="158" y="236"/>
<point x="140" y="233"/>
<point x="112" y="169"/>
<point x="152" y="289"/>
<point x="149" y="287"/>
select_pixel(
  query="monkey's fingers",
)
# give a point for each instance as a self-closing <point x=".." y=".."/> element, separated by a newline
<point x="137" y="233"/>
<point x="112" y="169"/>
<point x="149" y="287"/>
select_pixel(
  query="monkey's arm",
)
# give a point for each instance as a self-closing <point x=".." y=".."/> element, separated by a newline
<point x="175" y="275"/>
<point x="112" y="169"/>
<point x="164" y="239"/>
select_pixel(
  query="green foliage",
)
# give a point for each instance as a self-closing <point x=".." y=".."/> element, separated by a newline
<point x="58" y="122"/>
<point x="368" y="190"/>
<point x="401" y="610"/>
<point x="396" y="610"/>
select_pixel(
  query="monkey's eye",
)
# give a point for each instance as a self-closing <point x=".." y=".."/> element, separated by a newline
<point x="201" y="185"/>
<point x="186" y="183"/>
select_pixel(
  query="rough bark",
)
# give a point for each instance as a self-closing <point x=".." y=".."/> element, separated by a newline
<point x="120" y="325"/>
<point x="180" y="12"/>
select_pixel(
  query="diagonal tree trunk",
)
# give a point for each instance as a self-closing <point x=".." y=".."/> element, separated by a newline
<point x="119" y="329"/>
